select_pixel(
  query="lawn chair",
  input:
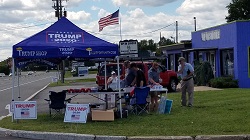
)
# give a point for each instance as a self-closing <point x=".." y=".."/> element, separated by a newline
<point x="57" y="101"/>
<point x="139" y="100"/>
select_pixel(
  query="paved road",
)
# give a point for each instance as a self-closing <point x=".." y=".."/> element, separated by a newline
<point x="3" y="137"/>
<point x="29" y="84"/>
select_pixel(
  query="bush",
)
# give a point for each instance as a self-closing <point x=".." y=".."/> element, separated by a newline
<point x="224" y="82"/>
<point x="203" y="73"/>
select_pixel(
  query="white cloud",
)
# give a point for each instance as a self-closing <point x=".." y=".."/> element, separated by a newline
<point x="151" y="3"/>
<point x="5" y="53"/>
<point x="207" y="13"/>
<point x="94" y="8"/>
<point x="78" y="16"/>
<point x="135" y="23"/>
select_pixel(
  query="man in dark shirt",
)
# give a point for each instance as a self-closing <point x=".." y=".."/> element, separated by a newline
<point x="140" y="77"/>
<point x="130" y="79"/>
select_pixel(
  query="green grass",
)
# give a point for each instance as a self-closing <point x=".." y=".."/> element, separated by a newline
<point x="71" y="82"/>
<point x="93" y="72"/>
<point x="69" y="74"/>
<point x="214" y="113"/>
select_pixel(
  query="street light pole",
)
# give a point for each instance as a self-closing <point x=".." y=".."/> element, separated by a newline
<point x="194" y="23"/>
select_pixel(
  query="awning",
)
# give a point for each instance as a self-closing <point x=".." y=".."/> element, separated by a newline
<point x="199" y="49"/>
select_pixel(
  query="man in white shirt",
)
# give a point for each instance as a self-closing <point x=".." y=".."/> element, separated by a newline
<point x="113" y="81"/>
<point x="186" y="71"/>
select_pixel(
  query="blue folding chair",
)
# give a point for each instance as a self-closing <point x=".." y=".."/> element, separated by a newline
<point x="140" y="103"/>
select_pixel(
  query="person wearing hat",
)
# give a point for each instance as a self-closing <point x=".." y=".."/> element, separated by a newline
<point x="186" y="71"/>
<point x="154" y="79"/>
<point x="113" y="81"/>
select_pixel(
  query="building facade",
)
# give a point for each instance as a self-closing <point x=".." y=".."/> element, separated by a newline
<point x="226" y="47"/>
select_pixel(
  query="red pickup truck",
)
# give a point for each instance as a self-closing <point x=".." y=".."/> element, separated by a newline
<point x="169" y="77"/>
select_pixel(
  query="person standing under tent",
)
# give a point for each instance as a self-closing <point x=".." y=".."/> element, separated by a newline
<point x="140" y="77"/>
<point x="154" y="79"/>
<point x="130" y="79"/>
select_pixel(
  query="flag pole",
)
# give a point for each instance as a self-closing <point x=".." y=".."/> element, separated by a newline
<point x="120" y="24"/>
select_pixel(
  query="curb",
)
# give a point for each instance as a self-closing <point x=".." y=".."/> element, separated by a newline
<point x="73" y="136"/>
<point x="161" y="138"/>
<point x="222" y="137"/>
<point x="33" y="95"/>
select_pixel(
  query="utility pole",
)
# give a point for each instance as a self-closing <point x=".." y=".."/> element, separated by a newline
<point x="59" y="13"/>
<point x="176" y="32"/>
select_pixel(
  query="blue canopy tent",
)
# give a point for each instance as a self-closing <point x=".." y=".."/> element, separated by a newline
<point x="62" y="40"/>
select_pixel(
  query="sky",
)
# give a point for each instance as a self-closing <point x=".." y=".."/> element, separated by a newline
<point x="139" y="19"/>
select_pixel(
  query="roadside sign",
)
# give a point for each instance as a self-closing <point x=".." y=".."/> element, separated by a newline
<point x="83" y="71"/>
<point x="25" y="109"/>
<point x="76" y="113"/>
<point x="129" y="48"/>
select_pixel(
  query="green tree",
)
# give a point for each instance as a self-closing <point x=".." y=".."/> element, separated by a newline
<point x="165" y="41"/>
<point x="238" y="10"/>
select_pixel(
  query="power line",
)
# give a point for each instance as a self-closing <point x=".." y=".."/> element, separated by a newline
<point x="17" y="28"/>
<point x="140" y="34"/>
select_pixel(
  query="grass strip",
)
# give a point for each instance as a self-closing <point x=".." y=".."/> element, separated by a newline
<point x="221" y="112"/>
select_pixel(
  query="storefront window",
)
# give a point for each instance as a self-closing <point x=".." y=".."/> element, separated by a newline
<point x="171" y="62"/>
<point x="177" y="56"/>
<point x="227" y="62"/>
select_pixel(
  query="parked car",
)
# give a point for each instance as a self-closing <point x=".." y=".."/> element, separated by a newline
<point x="2" y="74"/>
<point x="30" y="72"/>
<point x="169" y="77"/>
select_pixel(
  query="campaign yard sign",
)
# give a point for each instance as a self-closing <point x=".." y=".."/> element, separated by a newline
<point x="25" y="109"/>
<point x="76" y="113"/>
<point x="83" y="71"/>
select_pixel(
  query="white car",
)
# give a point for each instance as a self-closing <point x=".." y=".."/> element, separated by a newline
<point x="2" y="74"/>
<point x="30" y="72"/>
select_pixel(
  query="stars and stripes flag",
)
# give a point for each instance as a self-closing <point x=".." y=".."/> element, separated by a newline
<point x="25" y="113"/>
<point x="111" y="19"/>
<point x="75" y="117"/>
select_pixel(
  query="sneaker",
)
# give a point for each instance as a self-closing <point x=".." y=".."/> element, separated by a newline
<point x="183" y="105"/>
<point x="189" y="105"/>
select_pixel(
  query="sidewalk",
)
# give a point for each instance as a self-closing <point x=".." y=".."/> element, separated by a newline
<point x="199" y="88"/>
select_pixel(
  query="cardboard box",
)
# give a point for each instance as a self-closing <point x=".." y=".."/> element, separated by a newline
<point x="103" y="115"/>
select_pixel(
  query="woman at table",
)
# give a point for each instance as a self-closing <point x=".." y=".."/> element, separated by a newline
<point x="113" y="81"/>
<point x="154" y="79"/>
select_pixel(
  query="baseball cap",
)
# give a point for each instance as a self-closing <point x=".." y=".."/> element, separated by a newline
<point x="113" y="72"/>
<point x="181" y="58"/>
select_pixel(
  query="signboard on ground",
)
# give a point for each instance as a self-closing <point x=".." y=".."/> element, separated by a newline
<point x="76" y="113"/>
<point x="25" y="109"/>
<point x="129" y="48"/>
<point x="77" y="64"/>
<point x="83" y="71"/>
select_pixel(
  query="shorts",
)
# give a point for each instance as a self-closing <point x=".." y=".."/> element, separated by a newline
<point x="154" y="93"/>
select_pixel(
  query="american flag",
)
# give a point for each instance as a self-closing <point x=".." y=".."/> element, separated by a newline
<point x="25" y="113"/>
<point x="109" y="20"/>
<point x="75" y="117"/>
